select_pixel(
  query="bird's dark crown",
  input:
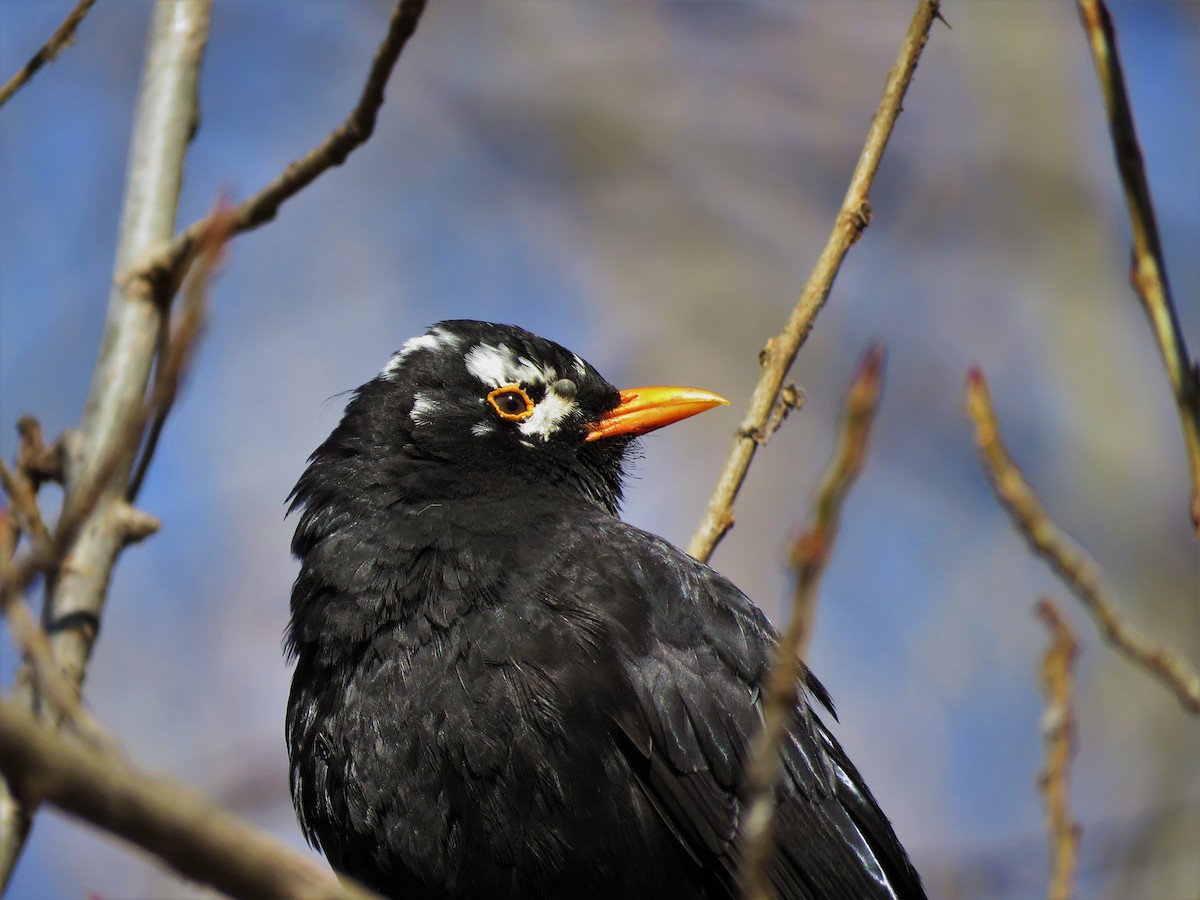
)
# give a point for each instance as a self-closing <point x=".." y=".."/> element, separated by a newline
<point x="469" y="408"/>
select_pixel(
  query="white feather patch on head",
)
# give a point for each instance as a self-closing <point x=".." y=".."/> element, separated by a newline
<point x="435" y="339"/>
<point x="424" y="409"/>
<point x="497" y="366"/>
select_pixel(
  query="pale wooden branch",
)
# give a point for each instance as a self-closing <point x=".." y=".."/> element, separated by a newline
<point x="62" y="38"/>
<point x="167" y="268"/>
<point x="48" y="552"/>
<point x="810" y="555"/>
<point x="35" y="648"/>
<point x="780" y="351"/>
<point x="1068" y="559"/>
<point x="99" y="469"/>
<point x="198" y="840"/>
<point x="1056" y="678"/>
<point x="98" y="464"/>
<point x="1149" y="271"/>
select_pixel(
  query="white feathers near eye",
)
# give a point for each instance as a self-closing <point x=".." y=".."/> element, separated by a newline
<point x="497" y="366"/>
<point x="548" y="415"/>
<point x="436" y="339"/>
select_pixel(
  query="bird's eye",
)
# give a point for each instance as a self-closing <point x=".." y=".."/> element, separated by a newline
<point x="511" y="402"/>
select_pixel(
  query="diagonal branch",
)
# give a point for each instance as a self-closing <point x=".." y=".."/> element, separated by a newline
<point x="780" y="352"/>
<point x="198" y="840"/>
<point x="1149" y="271"/>
<point x="170" y="266"/>
<point x="62" y="38"/>
<point x="809" y="557"/>
<point x="1069" y="561"/>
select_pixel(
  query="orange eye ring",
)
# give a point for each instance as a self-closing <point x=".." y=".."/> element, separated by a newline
<point x="511" y="402"/>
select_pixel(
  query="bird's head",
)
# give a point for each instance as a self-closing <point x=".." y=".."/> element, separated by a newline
<point x="471" y="407"/>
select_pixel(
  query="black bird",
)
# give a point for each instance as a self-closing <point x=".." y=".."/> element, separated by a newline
<point x="503" y="690"/>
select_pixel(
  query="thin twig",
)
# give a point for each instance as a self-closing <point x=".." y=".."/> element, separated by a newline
<point x="1058" y="737"/>
<point x="1069" y="561"/>
<point x="198" y="840"/>
<point x="23" y="502"/>
<point x="780" y="351"/>
<point x="171" y="265"/>
<point x="1149" y="271"/>
<point x="175" y="356"/>
<point x="62" y="38"/>
<point x="810" y="555"/>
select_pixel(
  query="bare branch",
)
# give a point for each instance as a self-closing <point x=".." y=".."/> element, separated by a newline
<point x="97" y="466"/>
<point x="170" y="266"/>
<point x="49" y="682"/>
<point x="1069" y="561"/>
<point x="198" y="840"/>
<point x="62" y="38"/>
<point x="809" y="558"/>
<point x="780" y="351"/>
<point x="1149" y="271"/>
<point x="99" y="469"/>
<point x="1058" y="736"/>
<point x="127" y="523"/>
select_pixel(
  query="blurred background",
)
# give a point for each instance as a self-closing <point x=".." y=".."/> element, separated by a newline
<point x="649" y="184"/>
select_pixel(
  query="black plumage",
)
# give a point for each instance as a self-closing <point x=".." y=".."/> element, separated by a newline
<point x="502" y="690"/>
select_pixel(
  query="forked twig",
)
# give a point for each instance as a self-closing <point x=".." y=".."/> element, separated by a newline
<point x="48" y="552"/>
<point x="780" y="352"/>
<point x="1069" y="561"/>
<point x="169" y="267"/>
<point x="810" y="555"/>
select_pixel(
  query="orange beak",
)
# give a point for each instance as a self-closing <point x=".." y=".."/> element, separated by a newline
<point x="647" y="408"/>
